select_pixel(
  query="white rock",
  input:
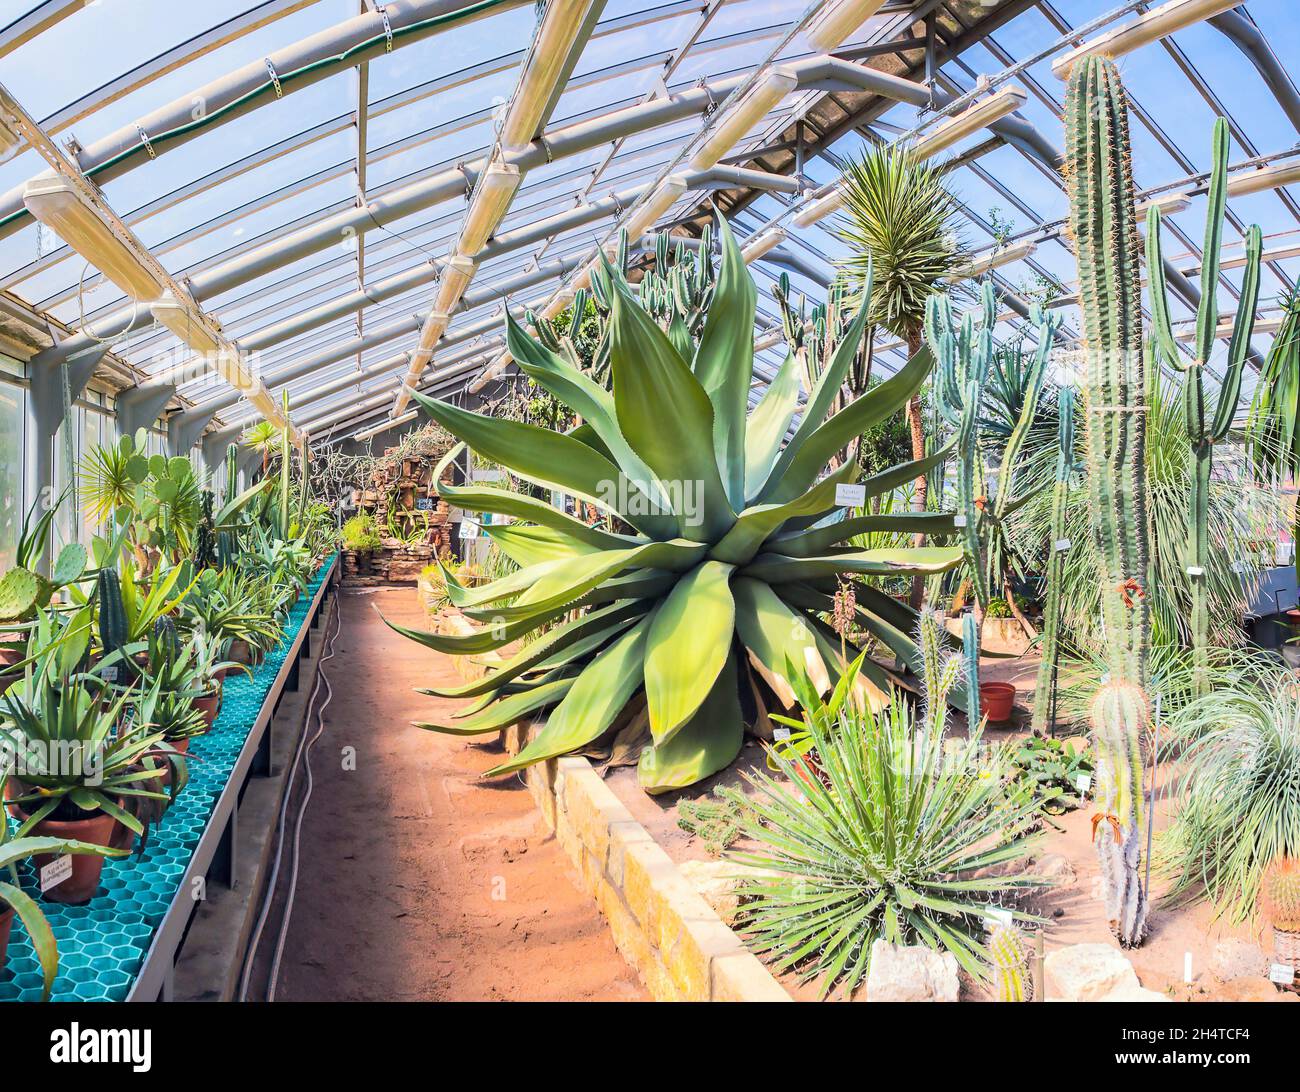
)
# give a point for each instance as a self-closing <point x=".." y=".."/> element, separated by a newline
<point x="1088" y="972"/>
<point x="901" y="973"/>
<point x="719" y="883"/>
<point x="1234" y="958"/>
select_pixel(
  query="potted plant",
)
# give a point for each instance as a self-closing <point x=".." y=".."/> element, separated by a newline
<point x="14" y="901"/>
<point x="1279" y="897"/>
<point x="79" y="762"/>
<point x="359" y="536"/>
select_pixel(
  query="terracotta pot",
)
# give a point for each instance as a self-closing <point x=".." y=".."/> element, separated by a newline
<point x="11" y="652"/>
<point x="181" y="747"/>
<point x="99" y="830"/>
<point x="241" y="652"/>
<point x="209" y="706"/>
<point x="6" y="924"/>
<point x="997" y="700"/>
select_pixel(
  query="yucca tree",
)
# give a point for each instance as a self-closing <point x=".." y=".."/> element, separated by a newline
<point x="900" y="221"/>
<point x="717" y="555"/>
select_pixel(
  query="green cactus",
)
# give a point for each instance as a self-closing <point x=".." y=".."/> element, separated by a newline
<point x="19" y="594"/>
<point x="1009" y="957"/>
<point x="1055" y="558"/>
<point x="113" y="630"/>
<point x="1279" y="894"/>
<point x="1205" y="435"/>
<point x="232" y="473"/>
<point x="286" y="449"/>
<point x="1104" y="227"/>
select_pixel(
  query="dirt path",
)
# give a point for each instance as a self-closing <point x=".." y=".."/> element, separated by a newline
<point x="419" y="881"/>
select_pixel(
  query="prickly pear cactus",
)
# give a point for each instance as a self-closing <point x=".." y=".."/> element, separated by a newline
<point x="19" y="594"/>
<point x="1008" y="950"/>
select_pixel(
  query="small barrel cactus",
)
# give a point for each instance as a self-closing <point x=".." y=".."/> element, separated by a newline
<point x="1280" y="894"/>
<point x="1009" y="956"/>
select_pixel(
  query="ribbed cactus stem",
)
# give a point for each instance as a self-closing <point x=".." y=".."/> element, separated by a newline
<point x="1055" y="559"/>
<point x="1104" y="227"/>
<point x="1009" y="957"/>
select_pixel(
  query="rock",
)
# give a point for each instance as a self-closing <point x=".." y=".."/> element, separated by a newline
<point x="719" y="883"/>
<point x="1055" y="868"/>
<point x="1135" y="993"/>
<point x="901" y="973"/>
<point x="1234" y="958"/>
<point x="1088" y="972"/>
<point x="1251" y="989"/>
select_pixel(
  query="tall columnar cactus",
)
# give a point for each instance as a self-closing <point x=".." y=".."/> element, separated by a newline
<point x="1055" y="557"/>
<point x="1104" y="227"/>
<point x="286" y="465"/>
<point x="1204" y="435"/>
<point x="232" y="472"/>
<point x="964" y="356"/>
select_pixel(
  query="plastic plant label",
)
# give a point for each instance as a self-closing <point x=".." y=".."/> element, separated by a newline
<point x="1083" y="783"/>
<point x="780" y="734"/>
<point x="109" y="674"/>
<point x="56" y="872"/>
<point x="559" y="500"/>
<point x="1195" y="570"/>
<point x="995" y="915"/>
<point x="468" y="529"/>
<point x="1280" y="974"/>
<point x="850" y="496"/>
<point x="959" y="521"/>
<point x="1061" y="545"/>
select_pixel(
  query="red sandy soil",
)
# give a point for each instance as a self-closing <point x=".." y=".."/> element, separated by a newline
<point x="419" y="881"/>
<point x="1076" y="916"/>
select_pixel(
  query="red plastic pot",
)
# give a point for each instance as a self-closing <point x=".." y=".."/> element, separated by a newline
<point x="997" y="700"/>
<point x="100" y="830"/>
<point x="6" y="924"/>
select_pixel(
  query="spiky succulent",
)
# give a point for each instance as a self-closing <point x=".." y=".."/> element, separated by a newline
<point x="1279" y="894"/>
<point x="716" y="551"/>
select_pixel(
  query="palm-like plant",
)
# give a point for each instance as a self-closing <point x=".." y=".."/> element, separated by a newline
<point x="716" y="561"/>
<point x="263" y="437"/>
<point x="885" y="834"/>
<point x="900" y="221"/>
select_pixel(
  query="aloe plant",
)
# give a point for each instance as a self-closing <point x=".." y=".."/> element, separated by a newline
<point x="1204" y="435"/>
<point x="716" y="555"/>
<point x="1104" y="226"/>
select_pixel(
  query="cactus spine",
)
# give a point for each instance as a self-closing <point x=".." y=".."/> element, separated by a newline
<point x="1205" y="435"/>
<point x="1103" y="224"/>
<point x="1009" y="957"/>
<point x="1055" y="557"/>
<point x="1280" y="894"/>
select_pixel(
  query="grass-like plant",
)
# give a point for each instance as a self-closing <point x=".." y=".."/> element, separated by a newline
<point x="879" y="831"/>
<point x="1239" y="793"/>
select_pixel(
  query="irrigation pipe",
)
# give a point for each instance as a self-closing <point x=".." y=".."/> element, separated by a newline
<point x="269" y="896"/>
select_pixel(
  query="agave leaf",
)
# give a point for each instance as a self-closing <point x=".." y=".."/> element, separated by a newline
<point x="506" y="711"/>
<point x="667" y="418"/>
<point x="687" y="646"/>
<point x="858" y="416"/>
<point x="705" y="744"/>
<point x="913" y="560"/>
<point x="528" y="545"/>
<point x="38" y="929"/>
<point x="596" y="698"/>
<point x="588" y="399"/>
<point x="552" y="460"/>
<point x="814" y="541"/>
<point x="777" y="638"/>
<point x="769" y="423"/>
<point x="755" y="525"/>
<point x="724" y="362"/>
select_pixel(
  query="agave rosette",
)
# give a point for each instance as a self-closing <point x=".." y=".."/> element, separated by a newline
<point x="691" y="615"/>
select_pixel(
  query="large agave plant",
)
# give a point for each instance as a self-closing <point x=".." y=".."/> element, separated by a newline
<point x="719" y="550"/>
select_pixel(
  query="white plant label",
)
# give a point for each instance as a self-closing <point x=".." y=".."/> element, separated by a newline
<point x="1083" y="783"/>
<point x="1280" y="974"/>
<point x="850" y="496"/>
<point x="468" y="529"/>
<point x="1195" y="570"/>
<point x="559" y="500"/>
<point x="780" y="734"/>
<point x="995" y="915"/>
<point x="56" y="872"/>
<point x="109" y="674"/>
<point x="959" y="521"/>
<point x="1062" y="544"/>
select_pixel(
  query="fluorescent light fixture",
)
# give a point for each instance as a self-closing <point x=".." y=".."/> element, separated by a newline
<point x="1236" y="261"/>
<point x="658" y="203"/>
<point x="1241" y="183"/>
<point x="1154" y="25"/>
<point x="435" y="325"/>
<point x="1224" y="329"/>
<point x="970" y="120"/>
<point x="488" y="206"/>
<point x="456" y="275"/>
<point x="1167" y="203"/>
<point x="756" y="248"/>
<point x="188" y="326"/>
<point x="836" y="21"/>
<point x="544" y="68"/>
<point x="490" y="372"/>
<point x="55" y="203"/>
<point x="820" y="209"/>
<point x="559" y="303"/>
<point x="767" y="340"/>
<point x="741" y="118"/>
<point x="994" y="259"/>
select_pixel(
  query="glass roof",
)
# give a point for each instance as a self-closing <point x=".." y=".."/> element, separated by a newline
<point x="246" y="187"/>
